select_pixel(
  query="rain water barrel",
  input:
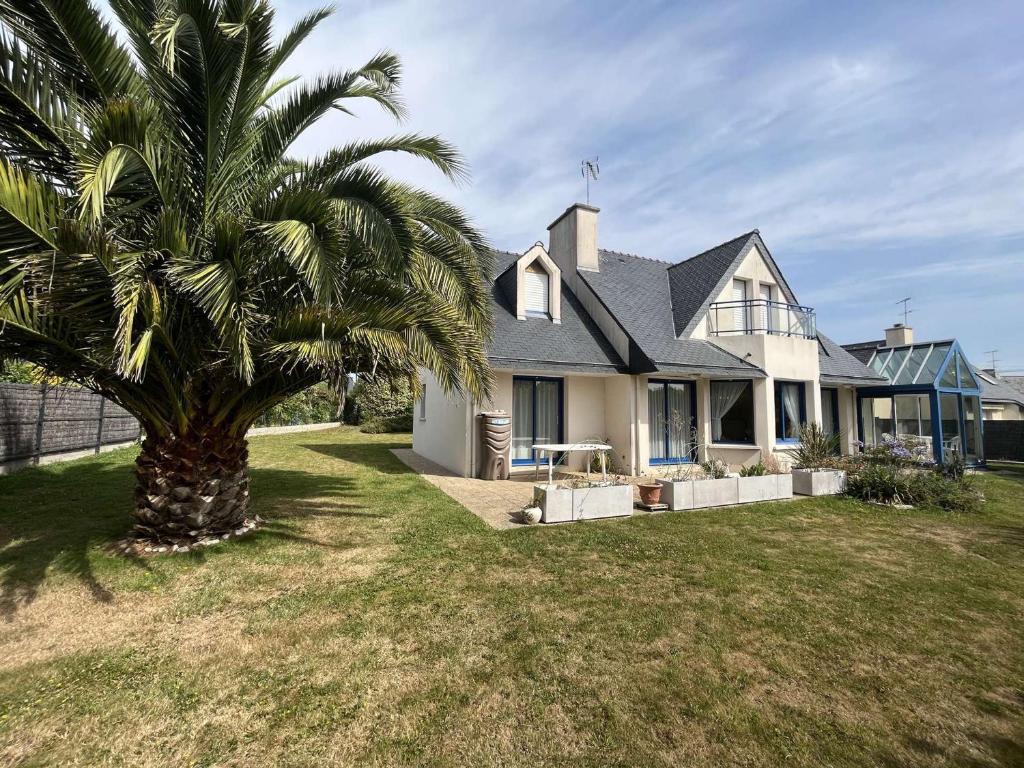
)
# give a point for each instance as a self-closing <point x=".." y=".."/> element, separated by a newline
<point x="496" y="428"/>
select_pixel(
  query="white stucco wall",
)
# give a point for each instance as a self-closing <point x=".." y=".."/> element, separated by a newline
<point x="442" y="436"/>
<point x="585" y="406"/>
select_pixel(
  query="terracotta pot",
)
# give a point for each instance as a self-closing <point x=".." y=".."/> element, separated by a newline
<point x="650" y="494"/>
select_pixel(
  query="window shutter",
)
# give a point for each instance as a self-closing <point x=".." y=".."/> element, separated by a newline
<point x="739" y="312"/>
<point x="537" y="291"/>
<point x="766" y="318"/>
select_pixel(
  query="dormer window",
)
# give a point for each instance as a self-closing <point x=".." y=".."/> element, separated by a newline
<point x="538" y="291"/>
<point x="535" y="285"/>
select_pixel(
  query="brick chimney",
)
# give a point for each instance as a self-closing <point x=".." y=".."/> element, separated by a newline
<point x="572" y="240"/>
<point x="899" y="335"/>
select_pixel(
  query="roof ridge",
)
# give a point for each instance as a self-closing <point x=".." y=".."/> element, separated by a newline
<point x="633" y="256"/>
<point x="744" y="236"/>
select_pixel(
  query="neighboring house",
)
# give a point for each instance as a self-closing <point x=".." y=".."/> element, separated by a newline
<point x="1002" y="398"/>
<point x="1017" y="382"/>
<point x="648" y="356"/>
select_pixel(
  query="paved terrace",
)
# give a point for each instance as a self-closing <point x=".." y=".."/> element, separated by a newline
<point x="496" y="502"/>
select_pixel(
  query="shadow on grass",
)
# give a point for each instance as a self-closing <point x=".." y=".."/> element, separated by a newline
<point x="376" y="456"/>
<point x="59" y="519"/>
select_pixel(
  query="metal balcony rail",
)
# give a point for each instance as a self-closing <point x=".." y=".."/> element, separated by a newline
<point x="761" y="316"/>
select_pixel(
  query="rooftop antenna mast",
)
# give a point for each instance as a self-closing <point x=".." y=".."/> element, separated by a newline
<point x="992" y="352"/>
<point x="906" y="309"/>
<point x="590" y="170"/>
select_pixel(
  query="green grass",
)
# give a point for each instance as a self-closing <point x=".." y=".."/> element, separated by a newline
<point x="375" y="622"/>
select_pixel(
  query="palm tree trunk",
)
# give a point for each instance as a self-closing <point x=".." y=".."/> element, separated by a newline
<point x="191" y="486"/>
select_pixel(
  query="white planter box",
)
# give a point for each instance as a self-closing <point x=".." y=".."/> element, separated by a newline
<point x="763" y="488"/>
<point x="819" y="482"/>
<point x="563" y="505"/>
<point x="716" y="493"/>
<point x="699" y="494"/>
<point x="602" y="501"/>
<point x="678" y="494"/>
<point x="785" y="486"/>
<point x="555" y="503"/>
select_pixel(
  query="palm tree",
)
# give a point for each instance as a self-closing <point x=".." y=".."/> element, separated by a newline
<point x="159" y="246"/>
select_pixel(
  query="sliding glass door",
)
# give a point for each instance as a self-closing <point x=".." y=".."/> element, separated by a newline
<point x="672" y="416"/>
<point x="536" y="415"/>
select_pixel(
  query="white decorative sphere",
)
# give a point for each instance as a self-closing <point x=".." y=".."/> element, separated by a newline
<point x="531" y="515"/>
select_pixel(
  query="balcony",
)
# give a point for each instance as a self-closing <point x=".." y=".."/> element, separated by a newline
<point x="761" y="317"/>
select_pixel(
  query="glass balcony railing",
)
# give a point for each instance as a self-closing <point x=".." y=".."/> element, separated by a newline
<point x="761" y="316"/>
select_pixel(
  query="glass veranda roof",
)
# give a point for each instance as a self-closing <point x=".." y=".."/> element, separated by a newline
<point x="930" y="365"/>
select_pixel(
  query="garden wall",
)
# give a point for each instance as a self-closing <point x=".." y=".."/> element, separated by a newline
<point x="39" y="423"/>
<point x="1004" y="440"/>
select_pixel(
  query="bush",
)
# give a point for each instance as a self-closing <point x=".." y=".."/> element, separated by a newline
<point x="714" y="469"/>
<point x="316" y="405"/>
<point x="890" y="483"/>
<point x="380" y="405"/>
<point x="817" y="447"/>
<point x="754" y="470"/>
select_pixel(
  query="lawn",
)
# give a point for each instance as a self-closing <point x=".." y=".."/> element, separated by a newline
<point x="373" y="621"/>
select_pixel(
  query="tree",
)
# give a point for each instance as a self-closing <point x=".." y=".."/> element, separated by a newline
<point x="159" y="246"/>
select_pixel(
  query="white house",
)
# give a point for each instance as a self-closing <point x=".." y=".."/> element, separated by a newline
<point x="643" y="354"/>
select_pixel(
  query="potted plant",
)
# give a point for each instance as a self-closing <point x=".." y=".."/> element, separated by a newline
<point x="814" y="463"/>
<point x="650" y="491"/>
<point x="764" y="481"/>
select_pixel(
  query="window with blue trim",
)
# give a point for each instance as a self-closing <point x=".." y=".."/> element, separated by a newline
<point x="672" y="417"/>
<point x="790" y="411"/>
<point x="536" y="415"/>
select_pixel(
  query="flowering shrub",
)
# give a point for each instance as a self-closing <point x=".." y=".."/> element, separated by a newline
<point x="900" y="450"/>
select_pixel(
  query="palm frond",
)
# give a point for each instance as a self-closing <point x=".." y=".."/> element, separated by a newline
<point x="80" y="45"/>
<point x="30" y="210"/>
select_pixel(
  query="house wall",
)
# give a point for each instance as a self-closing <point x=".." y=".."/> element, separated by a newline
<point x="442" y="435"/>
<point x="754" y="269"/>
<point x="585" y="407"/>
<point x="1002" y="411"/>
<point x="619" y="416"/>
<point x="783" y="358"/>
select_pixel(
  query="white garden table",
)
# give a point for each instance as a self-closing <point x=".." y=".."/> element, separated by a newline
<point x="552" y="448"/>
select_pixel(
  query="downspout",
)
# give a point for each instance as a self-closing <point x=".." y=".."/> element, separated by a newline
<point x="634" y="433"/>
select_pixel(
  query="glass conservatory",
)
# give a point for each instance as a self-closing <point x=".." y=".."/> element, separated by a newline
<point x="933" y="393"/>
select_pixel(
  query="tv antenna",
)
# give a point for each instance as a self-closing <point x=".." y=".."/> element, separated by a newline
<point x="590" y="170"/>
<point x="992" y="352"/>
<point x="906" y="310"/>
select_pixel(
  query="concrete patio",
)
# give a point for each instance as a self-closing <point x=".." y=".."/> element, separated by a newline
<point x="496" y="502"/>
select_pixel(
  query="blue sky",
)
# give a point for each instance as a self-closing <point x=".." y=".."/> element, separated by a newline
<point x="878" y="147"/>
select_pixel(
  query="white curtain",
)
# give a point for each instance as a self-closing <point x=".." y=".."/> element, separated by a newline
<point x="679" y="421"/>
<point x="547" y="412"/>
<point x="724" y="395"/>
<point x="522" y="419"/>
<point x="791" y="404"/>
<point x="656" y="419"/>
<point x="829" y="411"/>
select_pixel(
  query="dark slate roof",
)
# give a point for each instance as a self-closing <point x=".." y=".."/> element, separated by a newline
<point x="693" y="281"/>
<point x="637" y="293"/>
<point x="864" y="350"/>
<point x="1017" y="382"/>
<point x="837" y="365"/>
<point x="575" y="344"/>
<point x="997" y="390"/>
